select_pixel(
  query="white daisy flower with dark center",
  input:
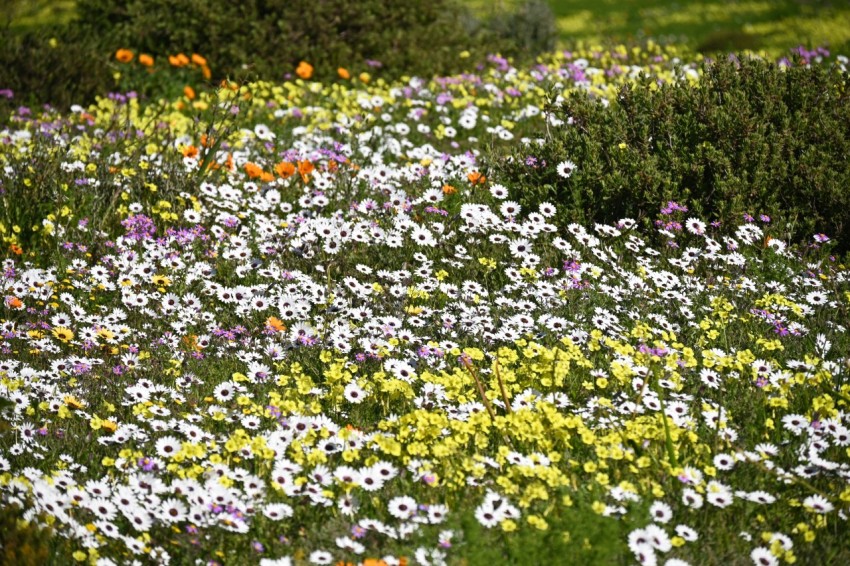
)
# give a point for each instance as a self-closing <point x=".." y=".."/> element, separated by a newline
<point x="498" y="191"/>
<point x="321" y="557"/>
<point x="565" y="169"/>
<point x="277" y="511"/>
<point x="660" y="512"/>
<point x="724" y="462"/>
<point x="687" y="533"/>
<point x="403" y="507"/>
<point x="167" y="446"/>
<point x="762" y="556"/>
<point x="354" y="393"/>
<point x="818" y="504"/>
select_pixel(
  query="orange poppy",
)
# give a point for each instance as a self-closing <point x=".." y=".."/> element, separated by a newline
<point x="275" y="324"/>
<point x="476" y="178"/>
<point x="146" y="60"/>
<point x="190" y="151"/>
<point x="207" y="141"/>
<point x="198" y="60"/>
<point x="305" y="168"/>
<point x="190" y="341"/>
<point x="124" y="55"/>
<point x="178" y="60"/>
<point x="205" y="70"/>
<point x="343" y="73"/>
<point x="253" y="170"/>
<point x="189" y="92"/>
<point x="284" y="169"/>
<point x="304" y="70"/>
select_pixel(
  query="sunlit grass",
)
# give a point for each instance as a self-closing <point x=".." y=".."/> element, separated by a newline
<point x="771" y="26"/>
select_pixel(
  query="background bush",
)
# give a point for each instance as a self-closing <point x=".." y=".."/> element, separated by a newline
<point x="70" y="63"/>
<point x="59" y="65"/>
<point x="268" y="38"/>
<point x="750" y="137"/>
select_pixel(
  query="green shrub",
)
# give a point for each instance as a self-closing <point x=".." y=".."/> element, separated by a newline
<point x="59" y="65"/>
<point x="528" y="31"/>
<point x="268" y="38"/>
<point x="749" y="137"/>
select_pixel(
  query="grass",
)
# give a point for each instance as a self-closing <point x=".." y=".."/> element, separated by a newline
<point x="774" y="26"/>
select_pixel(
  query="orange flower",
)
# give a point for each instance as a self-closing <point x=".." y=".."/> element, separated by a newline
<point x="266" y="177"/>
<point x="206" y="72"/>
<point x="343" y="73"/>
<point x="124" y="55"/>
<point x="16" y="249"/>
<point x="304" y="70"/>
<point x="374" y="562"/>
<point x="229" y="162"/>
<point x="207" y="141"/>
<point x="449" y="190"/>
<point x="275" y="324"/>
<point x="190" y="151"/>
<point x="305" y="168"/>
<point x="146" y="60"/>
<point x="477" y="178"/>
<point x="253" y="170"/>
<point x="14" y="302"/>
<point x="198" y="60"/>
<point x="179" y="60"/>
<point x="284" y="169"/>
<point x="189" y="92"/>
<point x="190" y="341"/>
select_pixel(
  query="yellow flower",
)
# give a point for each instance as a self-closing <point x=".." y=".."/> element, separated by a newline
<point x="63" y="334"/>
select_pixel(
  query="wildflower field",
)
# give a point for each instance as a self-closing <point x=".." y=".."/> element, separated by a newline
<point x="306" y="322"/>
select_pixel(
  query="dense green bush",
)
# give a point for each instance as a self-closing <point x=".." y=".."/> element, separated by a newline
<point x="58" y="65"/>
<point x="268" y="38"/>
<point x="261" y="39"/>
<point x="530" y="30"/>
<point x="749" y="137"/>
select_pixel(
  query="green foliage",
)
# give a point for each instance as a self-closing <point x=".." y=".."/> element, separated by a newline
<point x="571" y="535"/>
<point x="529" y="30"/>
<point x="22" y="545"/>
<point x="268" y="38"/>
<point x="59" y="65"/>
<point x="749" y="137"/>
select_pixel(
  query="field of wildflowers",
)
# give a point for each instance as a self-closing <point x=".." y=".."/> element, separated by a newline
<point x="296" y="323"/>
